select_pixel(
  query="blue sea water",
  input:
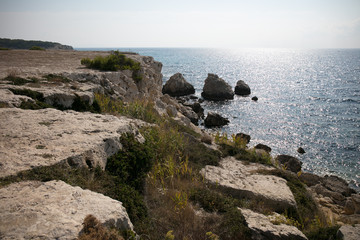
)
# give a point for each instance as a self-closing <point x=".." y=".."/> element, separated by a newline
<point x="307" y="98"/>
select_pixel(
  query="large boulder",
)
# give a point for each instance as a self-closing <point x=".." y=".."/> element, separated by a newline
<point x="215" y="120"/>
<point x="349" y="232"/>
<point x="216" y="89"/>
<point x="242" y="88"/>
<point x="337" y="184"/>
<point x="54" y="210"/>
<point x="263" y="228"/>
<point x="243" y="137"/>
<point x="240" y="180"/>
<point x="290" y="163"/>
<point x="263" y="147"/>
<point x="178" y="86"/>
<point x="33" y="138"/>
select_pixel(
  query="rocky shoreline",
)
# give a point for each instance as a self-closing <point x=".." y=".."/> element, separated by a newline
<point x="40" y="136"/>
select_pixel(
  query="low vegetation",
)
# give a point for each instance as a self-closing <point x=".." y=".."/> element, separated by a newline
<point x="159" y="183"/>
<point x="93" y="230"/>
<point x="114" y="62"/>
<point x="235" y="146"/>
<point x="37" y="48"/>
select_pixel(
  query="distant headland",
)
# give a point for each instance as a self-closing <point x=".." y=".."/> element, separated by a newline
<point x="28" y="44"/>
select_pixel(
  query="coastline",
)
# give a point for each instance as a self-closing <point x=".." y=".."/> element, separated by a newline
<point x="83" y="82"/>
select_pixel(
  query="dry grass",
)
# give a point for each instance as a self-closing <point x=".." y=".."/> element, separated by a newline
<point x="94" y="230"/>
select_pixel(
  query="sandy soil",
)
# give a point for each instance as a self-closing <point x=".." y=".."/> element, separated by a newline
<point x="32" y="63"/>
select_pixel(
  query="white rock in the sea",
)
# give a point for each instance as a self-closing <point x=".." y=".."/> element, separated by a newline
<point x="54" y="210"/>
<point x="32" y="138"/>
<point x="241" y="180"/>
<point x="262" y="228"/>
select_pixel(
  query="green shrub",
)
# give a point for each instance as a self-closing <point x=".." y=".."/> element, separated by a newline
<point x="57" y="78"/>
<point x="323" y="233"/>
<point x="114" y="62"/>
<point x="233" y="224"/>
<point x="19" y="80"/>
<point x="37" y="48"/>
<point x="132" y="163"/>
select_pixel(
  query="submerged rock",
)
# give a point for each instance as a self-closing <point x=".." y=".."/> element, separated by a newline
<point x="216" y="89"/>
<point x="242" y="88"/>
<point x="178" y="86"/>
<point x="241" y="180"/>
<point x="215" y="120"/>
<point x="54" y="210"/>
<point x="262" y="227"/>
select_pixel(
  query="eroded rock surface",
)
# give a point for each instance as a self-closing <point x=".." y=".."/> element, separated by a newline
<point x="178" y="86"/>
<point x="242" y="180"/>
<point x="120" y="84"/>
<point x="54" y="210"/>
<point x="262" y="228"/>
<point x="32" y="138"/>
<point x="216" y="89"/>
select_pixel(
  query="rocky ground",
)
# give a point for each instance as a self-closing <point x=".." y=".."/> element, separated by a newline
<point x="33" y="137"/>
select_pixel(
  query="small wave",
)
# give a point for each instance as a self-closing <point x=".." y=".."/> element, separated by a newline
<point x="349" y="100"/>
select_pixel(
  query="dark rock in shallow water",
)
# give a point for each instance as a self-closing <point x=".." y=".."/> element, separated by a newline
<point x="215" y="120"/>
<point x="263" y="147"/>
<point x="255" y="98"/>
<point x="216" y="89"/>
<point x="242" y="88"/>
<point x="198" y="109"/>
<point x="290" y="163"/>
<point x="178" y="86"/>
<point x="243" y="136"/>
<point x="301" y="150"/>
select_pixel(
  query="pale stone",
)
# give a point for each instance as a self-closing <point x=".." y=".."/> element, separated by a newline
<point x="242" y="180"/>
<point x="54" y="210"/>
<point x="11" y="100"/>
<point x="349" y="232"/>
<point x="262" y="228"/>
<point x="32" y="138"/>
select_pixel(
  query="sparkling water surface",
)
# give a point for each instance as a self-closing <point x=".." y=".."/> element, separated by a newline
<point x="307" y="98"/>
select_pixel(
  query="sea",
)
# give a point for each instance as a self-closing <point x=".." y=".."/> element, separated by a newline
<point x="306" y="98"/>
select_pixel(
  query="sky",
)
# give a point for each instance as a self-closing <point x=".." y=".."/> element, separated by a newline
<point x="185" y="23"/>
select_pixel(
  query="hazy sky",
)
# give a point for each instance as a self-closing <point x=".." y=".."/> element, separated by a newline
<point x="185" y="23"/>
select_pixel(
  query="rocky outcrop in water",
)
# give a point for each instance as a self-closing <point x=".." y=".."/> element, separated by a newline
<point x="178" y="86"/>
<point x="242" y="88"/>
<point x="216" y="89"/>
<point x="215" y="120"/>
<point x="54" y="210"/>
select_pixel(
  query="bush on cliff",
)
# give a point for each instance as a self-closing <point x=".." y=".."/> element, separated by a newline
<point x="114" y="62"/>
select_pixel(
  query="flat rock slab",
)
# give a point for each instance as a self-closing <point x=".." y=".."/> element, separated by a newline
<point x="349" y="232"/>
<point x="262" y="228"/>
<point x="242" y="180"/>
<point x="54" y="210"/>
<point x="33" y="138"/>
